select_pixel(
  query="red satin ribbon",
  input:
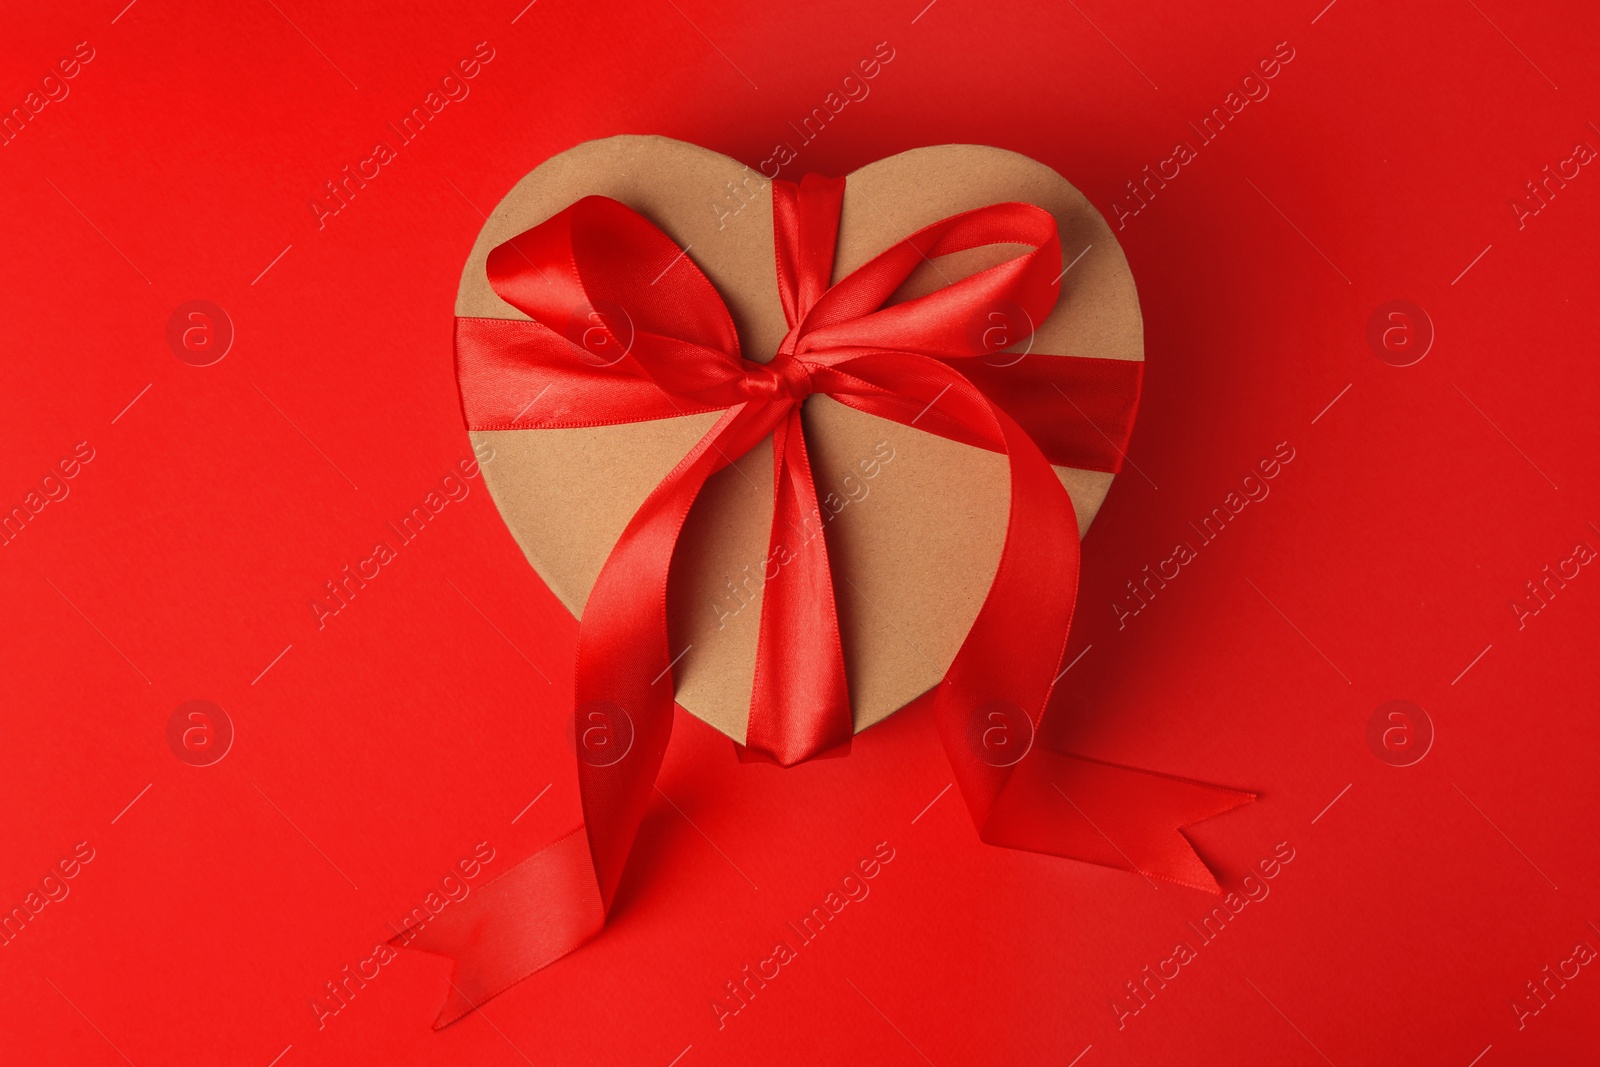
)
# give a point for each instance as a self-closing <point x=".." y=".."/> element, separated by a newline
<point x="625" y="328"/>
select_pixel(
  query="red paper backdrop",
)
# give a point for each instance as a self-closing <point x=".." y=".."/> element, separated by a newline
<point x="372" y="754"/>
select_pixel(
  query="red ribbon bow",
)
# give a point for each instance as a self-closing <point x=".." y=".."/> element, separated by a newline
<point x="657" y="342"/>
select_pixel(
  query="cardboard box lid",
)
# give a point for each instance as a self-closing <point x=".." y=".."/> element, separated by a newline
<point x="915" y="547"/>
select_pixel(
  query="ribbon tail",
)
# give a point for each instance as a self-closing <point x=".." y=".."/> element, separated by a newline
<point x="999" y="684"/>
<point x="623" y="680"/>
<point x="513" y="925"/>
<point x="1106" y="814"/>
<point x="554" y="901"/>
<point x="800" y="701"/>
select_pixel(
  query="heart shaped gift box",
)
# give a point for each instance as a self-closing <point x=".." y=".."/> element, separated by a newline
<point x="839" y="416"/>
<point x="917" y="537"/>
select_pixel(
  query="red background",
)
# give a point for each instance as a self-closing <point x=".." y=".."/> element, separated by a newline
<point x="376" y="751"/>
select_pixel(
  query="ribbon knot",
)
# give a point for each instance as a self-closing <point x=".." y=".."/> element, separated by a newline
<point x="785" y="376"/>
<point x="919" y="363"/>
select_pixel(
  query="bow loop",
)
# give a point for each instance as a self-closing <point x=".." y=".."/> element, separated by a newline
<point x="624" y="269"/>
<point x="633" y="309"/>
<point x="951" y="321"/>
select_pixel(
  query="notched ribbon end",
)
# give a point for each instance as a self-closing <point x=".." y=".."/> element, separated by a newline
<point x="1109" y="815"/>
<point x="754" y="755"/>
<point x="513" y="925"/>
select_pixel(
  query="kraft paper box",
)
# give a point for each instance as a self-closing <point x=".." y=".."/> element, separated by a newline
<point x="914" y="522"/>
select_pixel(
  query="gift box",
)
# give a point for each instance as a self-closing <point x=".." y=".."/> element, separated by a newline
<point x="717" y="435"/>
<point x="914" y="522"/>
